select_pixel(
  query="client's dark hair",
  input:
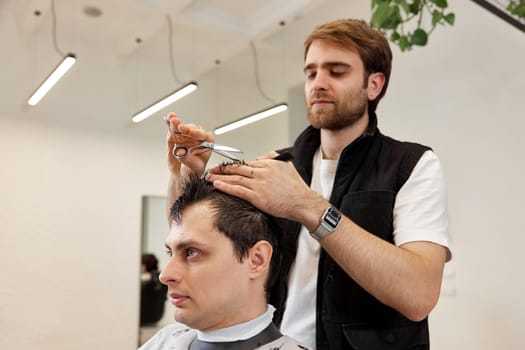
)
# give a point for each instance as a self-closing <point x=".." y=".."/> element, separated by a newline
<point x="237" y="219"/>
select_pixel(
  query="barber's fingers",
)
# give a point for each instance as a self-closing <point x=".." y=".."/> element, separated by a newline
<point x="230" y="169"/>
<point x="172" y="122"/>
<point x="175" y="125"/>
<point x="196" y="131"/>
<point x="244" y="170"/>
<point x="252" y="169"/>
<point x="269" y="155"/>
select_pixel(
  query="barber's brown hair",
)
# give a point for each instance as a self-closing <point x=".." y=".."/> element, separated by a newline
<point x="357" y="35"/>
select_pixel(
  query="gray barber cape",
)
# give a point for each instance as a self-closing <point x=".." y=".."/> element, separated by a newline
<point x="179" y="337"/>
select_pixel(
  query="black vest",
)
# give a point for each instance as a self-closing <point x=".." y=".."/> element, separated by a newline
<point x="369" y="175"/>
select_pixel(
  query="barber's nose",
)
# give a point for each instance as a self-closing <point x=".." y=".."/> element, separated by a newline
<point x="320" y="82"/>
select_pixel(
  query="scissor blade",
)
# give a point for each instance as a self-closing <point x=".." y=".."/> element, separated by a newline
<point x="227" y="155"/>
<point x="225" y="148"/>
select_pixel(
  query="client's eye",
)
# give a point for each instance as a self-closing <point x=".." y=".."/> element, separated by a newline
<point x="190" y="252"/>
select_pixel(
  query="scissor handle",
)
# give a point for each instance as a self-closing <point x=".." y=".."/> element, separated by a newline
<point x="180" y="152"/>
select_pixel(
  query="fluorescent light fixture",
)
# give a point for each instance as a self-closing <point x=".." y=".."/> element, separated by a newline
<point x="251" y="118"/>
<point x="52" y="79"/>
<point x="164" y="102"/>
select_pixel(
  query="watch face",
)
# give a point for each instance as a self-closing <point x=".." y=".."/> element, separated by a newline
<point x="329" y="222"/>
<point x="332" y="217"/>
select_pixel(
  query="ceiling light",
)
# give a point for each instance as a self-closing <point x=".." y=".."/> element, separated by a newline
<point x="60" y="70"/>
<point x="265" y="113"/>
<point x="251" y="118"/>
<point x="52" y="79"/>
<point x="164" y="102"/>
<point x="175" y="95"/>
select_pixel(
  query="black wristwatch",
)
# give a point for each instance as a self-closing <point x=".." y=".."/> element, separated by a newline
<point x="328" y="223"/>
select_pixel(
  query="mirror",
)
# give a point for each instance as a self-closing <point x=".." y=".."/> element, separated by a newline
<point x="154" y="306"/>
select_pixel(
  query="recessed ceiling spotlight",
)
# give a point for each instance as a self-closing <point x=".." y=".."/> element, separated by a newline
<point x="92" y="11"/>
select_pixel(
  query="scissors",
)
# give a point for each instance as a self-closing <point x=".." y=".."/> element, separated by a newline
<point x="179" y="151"/>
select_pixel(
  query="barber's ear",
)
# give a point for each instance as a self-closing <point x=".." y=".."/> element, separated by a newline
<point x="376" y="81"/>
<point x="259" y="257"/>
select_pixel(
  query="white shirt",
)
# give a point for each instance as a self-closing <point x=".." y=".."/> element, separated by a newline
<point x="299" y="316"/>
<point x="420" y="214"/>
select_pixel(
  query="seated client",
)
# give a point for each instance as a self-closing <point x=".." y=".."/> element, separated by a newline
<point x="224" y="258"/>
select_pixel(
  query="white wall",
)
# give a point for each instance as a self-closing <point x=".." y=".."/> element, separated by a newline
<point x="70" y="213"/>
<point x="70" y="227"/>
<point x="463" y="95"/>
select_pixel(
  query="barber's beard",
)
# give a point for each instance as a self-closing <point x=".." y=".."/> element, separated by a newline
<point x="340" y="114"/>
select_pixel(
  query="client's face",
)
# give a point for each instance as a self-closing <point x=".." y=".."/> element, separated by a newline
<point x="207" y="284"/>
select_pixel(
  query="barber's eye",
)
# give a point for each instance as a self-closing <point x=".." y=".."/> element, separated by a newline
<point x="310" y="75"/>
<point x="169" y="253"/>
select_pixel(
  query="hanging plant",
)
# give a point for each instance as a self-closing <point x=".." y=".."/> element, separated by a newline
<point x="517" y="8"/>
<point x="407" y="23"/>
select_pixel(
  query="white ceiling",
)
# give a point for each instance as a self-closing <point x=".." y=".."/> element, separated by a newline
<point x="124" y="56"/>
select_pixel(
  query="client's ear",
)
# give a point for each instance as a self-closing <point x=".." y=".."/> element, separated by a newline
<point x="259" y="257"/>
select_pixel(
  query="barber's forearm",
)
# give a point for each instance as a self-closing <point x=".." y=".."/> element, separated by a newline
<point x="407" y="279"/>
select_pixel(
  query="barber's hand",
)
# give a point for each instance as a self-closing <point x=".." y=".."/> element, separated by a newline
<point x="273" y="186"/>
<point x="196" y="160"/>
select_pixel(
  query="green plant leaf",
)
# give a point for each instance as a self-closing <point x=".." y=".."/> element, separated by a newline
<point x="436" y="17"/>
<point x="419" y="37"/>
<point x="404" y="43"/>
<point x="386" y="16"/>
<point x="415" y="6"/>
<point x="376" y="2"/>
<point x="450" y="18"/>
<point x="395" y="19"/>
<point x="404" y="5"/>
<point x="391" y="16"/>
<point x="395" y="36"/>
<point x="440" y="3"/>
<point x="380" y="15"/>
